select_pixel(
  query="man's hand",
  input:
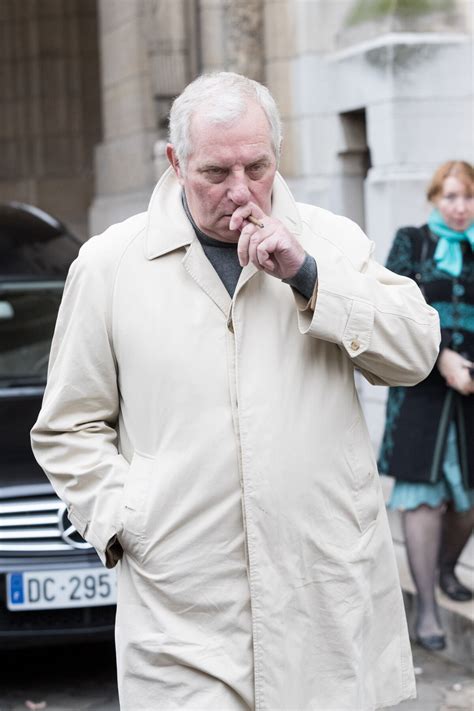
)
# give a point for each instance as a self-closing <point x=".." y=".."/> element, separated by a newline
<point x="455" y="370"/>
<point x="271" y="248"/>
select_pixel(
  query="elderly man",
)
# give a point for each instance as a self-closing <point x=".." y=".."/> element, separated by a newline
<point x="202" y="425"/>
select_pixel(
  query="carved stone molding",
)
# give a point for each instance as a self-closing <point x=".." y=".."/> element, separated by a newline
<point x="243" y="28"/>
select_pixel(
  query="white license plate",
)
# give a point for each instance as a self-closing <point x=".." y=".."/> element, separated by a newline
<point x="52" y="589"/>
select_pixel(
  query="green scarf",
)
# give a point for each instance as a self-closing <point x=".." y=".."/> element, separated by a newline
<point x="448" y="253"/>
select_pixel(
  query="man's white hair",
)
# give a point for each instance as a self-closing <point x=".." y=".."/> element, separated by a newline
<point x="221" y="97"/>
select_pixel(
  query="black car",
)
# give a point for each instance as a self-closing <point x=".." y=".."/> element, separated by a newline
<point x="52" y="584"/>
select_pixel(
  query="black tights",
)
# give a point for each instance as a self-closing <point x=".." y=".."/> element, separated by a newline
<point x="433" y="536"/>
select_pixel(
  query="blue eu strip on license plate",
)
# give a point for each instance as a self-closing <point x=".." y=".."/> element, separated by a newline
<point x="54" y="589"/>
<point x="16" y="589"/>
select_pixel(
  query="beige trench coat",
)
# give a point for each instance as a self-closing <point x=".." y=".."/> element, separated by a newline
<point x="222" y="442"/>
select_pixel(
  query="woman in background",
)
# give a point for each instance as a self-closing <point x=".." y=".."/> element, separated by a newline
<point x="428" y="444"/>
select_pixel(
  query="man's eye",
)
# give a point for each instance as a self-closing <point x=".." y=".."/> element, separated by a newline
<point x="215" y="174"/>
<point x="256" y="171"/>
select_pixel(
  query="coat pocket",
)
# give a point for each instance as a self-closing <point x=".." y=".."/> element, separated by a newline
<point x="361" y="460"/>
<point x="134" y="495"/>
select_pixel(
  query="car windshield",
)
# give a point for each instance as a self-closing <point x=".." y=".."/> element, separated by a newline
<point x="28" y="311"/>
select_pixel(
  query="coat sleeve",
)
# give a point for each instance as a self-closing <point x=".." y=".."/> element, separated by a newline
<point x="377" y="317"/>
<point x="74" y="439"/>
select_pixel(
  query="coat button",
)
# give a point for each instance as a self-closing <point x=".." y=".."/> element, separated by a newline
<point x="355" y="345"/>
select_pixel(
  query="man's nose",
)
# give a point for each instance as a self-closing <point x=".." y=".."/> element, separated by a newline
<point x="238" y="191"/>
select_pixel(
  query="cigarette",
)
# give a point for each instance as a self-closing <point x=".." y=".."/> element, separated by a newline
<point x="254" y="221"/>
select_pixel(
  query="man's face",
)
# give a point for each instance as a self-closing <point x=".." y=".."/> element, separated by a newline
<point x="229" y="166"/>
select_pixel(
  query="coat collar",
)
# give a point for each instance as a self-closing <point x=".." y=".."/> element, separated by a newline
<point x="168" y="228"/>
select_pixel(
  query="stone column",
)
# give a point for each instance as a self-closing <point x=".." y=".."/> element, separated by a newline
<point x="124" y="168"/>
<point x="149" y="53"/>
<point x="173" y="48"/>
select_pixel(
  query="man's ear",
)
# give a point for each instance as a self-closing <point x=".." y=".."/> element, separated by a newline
<point x="174" y="162"/>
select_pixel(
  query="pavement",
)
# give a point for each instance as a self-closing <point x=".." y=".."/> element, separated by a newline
<point x="82" y="678"/>
<point x="441" y="685"/>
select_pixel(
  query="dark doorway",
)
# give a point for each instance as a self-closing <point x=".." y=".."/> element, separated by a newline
<point x="354" y="159"/>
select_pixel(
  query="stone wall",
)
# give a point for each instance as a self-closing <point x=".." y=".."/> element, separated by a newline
<point x="49" y="105"/>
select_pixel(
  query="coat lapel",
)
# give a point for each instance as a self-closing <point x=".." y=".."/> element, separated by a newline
<point x="201" y="270"/>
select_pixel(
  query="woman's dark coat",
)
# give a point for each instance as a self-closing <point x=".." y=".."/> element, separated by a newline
<point x="418" y="418"/>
